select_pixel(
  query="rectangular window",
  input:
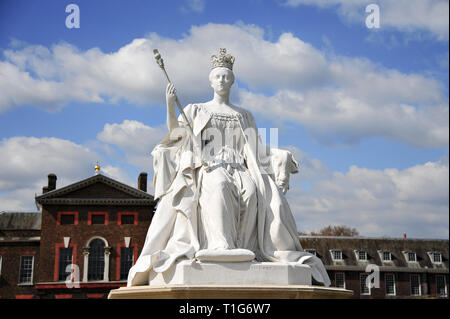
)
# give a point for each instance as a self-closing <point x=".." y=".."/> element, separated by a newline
<point x="364" y="288"/>
<point x="127" y="219"/>
<point x="339" y="279"/>
<point x="437" y="257"/>
<point x="387" y="256"/>
<point x="415" y="285"/>
<point x="126" y="261"/>
<point x="97" y="218"/>
<point x="441" y="286"/>
<point x="67" y="218"/>
<point x="362" y="255"/>
<point x="337" y="254"/>
<point x="26" y="269"/>
<point x="412" y="256"/>
<point x="65" y="259"/>
<point x="390" y="284"/>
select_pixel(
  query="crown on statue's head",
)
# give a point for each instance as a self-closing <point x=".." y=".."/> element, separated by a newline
<point x="223" y="60"/>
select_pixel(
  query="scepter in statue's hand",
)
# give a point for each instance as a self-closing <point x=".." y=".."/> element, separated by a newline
<point x="170" y="87"/>
<point x="160" y="62"/>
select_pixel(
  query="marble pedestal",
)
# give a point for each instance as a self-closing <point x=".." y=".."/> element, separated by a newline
<point x="220" y="280"/>
<point x="233" y="273"/>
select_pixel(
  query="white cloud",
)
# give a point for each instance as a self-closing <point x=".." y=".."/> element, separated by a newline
<point x="377" y="202"/>
<point x="404" y="15"/>
<point x="135" y="139"/>
<point x="29" y="160"/>
<point x="194" y="6"/>
<point x="336" y="98"/>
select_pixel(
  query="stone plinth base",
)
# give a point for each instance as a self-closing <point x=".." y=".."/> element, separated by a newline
<point x="233" y="273"/>
<point x="230" y="292"/>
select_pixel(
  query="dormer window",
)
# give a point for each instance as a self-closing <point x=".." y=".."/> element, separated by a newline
<point x="435" y="256"/>
<point x="361" y="255"/>
<point x="336" y="254"/>
<point x="386" y="256"/>
<point x="411" y="256"/>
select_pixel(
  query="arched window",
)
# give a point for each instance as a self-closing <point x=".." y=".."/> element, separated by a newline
<point x="96" y="260"/>
<point x="96" y="263"/>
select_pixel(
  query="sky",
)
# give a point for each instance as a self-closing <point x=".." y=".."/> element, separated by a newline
<point x="363" y="107"/>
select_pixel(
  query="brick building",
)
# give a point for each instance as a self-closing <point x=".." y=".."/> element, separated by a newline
<point x="88" y="234"/>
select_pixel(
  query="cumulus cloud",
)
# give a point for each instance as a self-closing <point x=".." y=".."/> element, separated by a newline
<point x="337" y="98"/>
<point x="31" y="159"/>
<point x="386" y="202"/>
<point x="135" y="139"/>
<point x="404" y="15"/>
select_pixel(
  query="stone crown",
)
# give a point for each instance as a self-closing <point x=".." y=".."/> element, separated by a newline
<point x="223" y="60"/>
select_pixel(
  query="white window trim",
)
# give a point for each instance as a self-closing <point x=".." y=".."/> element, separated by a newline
<point x="420" y="284"/>
<point x="368" y="286"/>
<point x="357" y="255"/>
<point x="32" y="271"/>
<point x="343" y="275"/>
<point x="445" y="285"/>
<point x="405" y="254"/>
<point x="381" y="253"/>
<point x="1" y="260"/>
<point x="332" y="254"/>
<point x="385" y="284"/>
<point x="431" y="256"/>
<point x="86" y="260"/>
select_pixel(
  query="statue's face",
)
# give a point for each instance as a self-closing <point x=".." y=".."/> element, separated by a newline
<point x="221" y="80"/>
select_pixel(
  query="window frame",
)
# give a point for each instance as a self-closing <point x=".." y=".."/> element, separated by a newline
<point x="86" y="253"/>
<point x="358" y="255"/>
<point x="393" y="283"/>
<point x="411" y="284"/>
<point x="336" y="280"/>
<point x="20" y="270"/>
<point x="56" y="267"/>
<point x="445" y="286"/>
<point x="365" y="275"/>
<point x="90" y="214"/>
<point x="119" y="218"/>
<point x="61" y="213"/>
<point x="333" y="251"/>
<point x="432" y="255"/>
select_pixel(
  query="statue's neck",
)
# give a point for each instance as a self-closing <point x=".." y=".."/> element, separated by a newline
<point x="221" y="99"/>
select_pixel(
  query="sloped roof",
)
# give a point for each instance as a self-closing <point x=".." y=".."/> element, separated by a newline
<point x="57" y="196"/>
<point x="373" y="247"/>
<point x="20" y="220"/>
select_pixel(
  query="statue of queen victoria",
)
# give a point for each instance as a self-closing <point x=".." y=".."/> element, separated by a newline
<point x="221" y="191"/>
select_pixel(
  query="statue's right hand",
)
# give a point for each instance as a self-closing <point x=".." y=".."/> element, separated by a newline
<point x="170" y="94"/>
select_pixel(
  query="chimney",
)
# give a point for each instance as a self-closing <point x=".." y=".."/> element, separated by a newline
<point x="51" y="182"/>
<point x="142" y="182"/>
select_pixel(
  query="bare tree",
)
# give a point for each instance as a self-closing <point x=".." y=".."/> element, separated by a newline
<point x="340" y="230"/>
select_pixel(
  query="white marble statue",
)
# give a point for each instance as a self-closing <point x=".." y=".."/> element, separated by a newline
<point x="221" y="192"/>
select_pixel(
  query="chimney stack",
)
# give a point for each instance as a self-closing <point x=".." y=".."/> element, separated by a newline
<point x="142" y="182"/>
<point x="51" y="182"/>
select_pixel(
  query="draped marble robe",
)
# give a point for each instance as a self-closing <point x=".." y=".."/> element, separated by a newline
<point x="179" y="227"/>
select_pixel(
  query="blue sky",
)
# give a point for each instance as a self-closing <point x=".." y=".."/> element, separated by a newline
<point x="365" y="111"/>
